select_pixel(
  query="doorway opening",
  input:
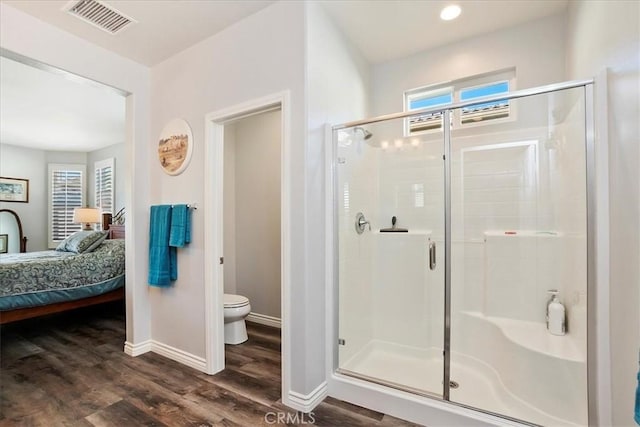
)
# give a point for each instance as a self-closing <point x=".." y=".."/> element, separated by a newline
<point x="247" y="190"/>
<point x="251" y="242"/>
<point x="61" y="172"/>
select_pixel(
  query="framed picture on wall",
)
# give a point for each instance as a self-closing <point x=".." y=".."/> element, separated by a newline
<point x="14" y="190"/>
<point x="4" y="243"/>
<point x="175" y="146"/>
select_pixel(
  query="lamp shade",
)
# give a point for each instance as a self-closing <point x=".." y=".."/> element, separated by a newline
<point x="86" y="215"/>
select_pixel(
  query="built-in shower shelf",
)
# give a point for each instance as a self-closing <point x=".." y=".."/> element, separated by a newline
<point x="410" y="232"/>
<point x="535" y="337"/>
<point x="522" y="233"/>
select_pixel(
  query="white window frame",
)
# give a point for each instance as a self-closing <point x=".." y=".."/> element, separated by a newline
<point x="426" y="92"/>
<point x="97" y="168"/>
<point x="455" y="87"/>
<point x="51" y="167"/>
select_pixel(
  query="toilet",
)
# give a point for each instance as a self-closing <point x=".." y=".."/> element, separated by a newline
<point x="236" y="308"/>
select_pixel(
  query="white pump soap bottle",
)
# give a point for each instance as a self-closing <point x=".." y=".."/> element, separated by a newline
<point x="556" y="316"/>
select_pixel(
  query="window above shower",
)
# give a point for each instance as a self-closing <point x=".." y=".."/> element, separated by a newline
<point x="467" y="89"/>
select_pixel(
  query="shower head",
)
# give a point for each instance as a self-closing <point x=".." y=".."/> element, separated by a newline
<point x="365" y="133"/>
<point x="347" y="136"/>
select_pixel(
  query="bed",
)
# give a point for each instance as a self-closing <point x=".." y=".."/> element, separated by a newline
<point x="38" y="283"/>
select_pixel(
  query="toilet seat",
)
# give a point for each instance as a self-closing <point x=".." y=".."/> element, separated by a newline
<point x="232" y="301"/>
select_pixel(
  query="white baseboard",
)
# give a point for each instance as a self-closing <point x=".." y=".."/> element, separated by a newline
<point x="167" y="351"/>
<point x="263" y="319"/>
<point x="180" y="356"/>
<point x="134" y="350"/>
<point x="306" y="403"/>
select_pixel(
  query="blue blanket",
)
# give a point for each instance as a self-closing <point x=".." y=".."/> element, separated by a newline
<point x="163" y="266"/>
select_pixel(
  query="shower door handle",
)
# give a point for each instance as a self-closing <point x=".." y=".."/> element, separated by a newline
<point x="432" y="255"/>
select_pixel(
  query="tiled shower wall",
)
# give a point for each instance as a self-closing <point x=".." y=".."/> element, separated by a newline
<point x="357" y="180"/>
<point x="529" y="180"/>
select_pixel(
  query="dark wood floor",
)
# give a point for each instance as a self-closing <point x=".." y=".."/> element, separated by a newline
<point x="70" y="370"/>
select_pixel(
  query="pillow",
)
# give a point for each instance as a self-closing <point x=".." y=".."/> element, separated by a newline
<point x="82" y="242"/>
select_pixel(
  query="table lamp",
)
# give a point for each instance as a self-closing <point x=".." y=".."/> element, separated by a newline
<point x="87" y="217"/>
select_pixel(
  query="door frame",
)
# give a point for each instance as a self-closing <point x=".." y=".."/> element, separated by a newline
<point x="213" y="229"/>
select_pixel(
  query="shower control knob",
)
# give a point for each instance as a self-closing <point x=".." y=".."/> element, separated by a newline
<point x="361" y="222"/>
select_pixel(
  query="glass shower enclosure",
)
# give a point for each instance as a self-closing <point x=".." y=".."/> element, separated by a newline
<point x="454" y="231"/>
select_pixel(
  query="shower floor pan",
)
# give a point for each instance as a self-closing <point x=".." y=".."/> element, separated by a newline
<point x="421" y="370"/>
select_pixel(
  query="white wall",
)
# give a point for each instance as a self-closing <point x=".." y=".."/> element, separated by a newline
<point x="27" y="163"/>
<point x="255" y="224"/>
<point x="117" y="152"/>
<point x="337" y="84"/>
<point x="258" y="56"/>
<point x="25" y="35"/>
<point x="535" y="49"/>
<point x="601" y="35"/>
<point x="66" y="157"/>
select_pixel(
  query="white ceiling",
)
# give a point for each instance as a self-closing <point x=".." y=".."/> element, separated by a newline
<point x="40" y="109"/>
<point x="384" y="30"/>
<point x="164" y="28"/>
<point x="381" y="29"/>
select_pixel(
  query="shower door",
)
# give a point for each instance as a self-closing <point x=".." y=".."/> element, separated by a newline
<point x="389" y="185"/>
<point x="493" y="208"/>
<point x="519" y="230"/>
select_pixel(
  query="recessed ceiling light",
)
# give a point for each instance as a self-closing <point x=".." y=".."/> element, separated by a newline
<point x="450" y="12"/>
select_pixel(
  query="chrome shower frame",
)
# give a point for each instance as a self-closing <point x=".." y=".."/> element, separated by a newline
<point x="592" y="226"/>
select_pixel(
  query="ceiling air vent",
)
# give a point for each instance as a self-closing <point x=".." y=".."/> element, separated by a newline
<point x="99" y="14"/>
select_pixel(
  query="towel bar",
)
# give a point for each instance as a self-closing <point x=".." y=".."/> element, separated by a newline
<point x="190" y="206"/>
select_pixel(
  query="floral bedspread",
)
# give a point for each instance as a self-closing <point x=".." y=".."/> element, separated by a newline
<point x="52" y="270"/>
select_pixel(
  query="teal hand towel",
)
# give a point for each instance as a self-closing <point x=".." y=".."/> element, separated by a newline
<point x="180" y="226"/>
<point x="162" y="258"/>
<point x="637" y="408"/>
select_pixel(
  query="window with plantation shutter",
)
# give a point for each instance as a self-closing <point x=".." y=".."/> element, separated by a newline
<point x="66" y="192"/>
<point x="104" y="185"/>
